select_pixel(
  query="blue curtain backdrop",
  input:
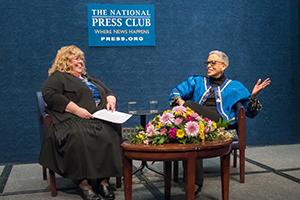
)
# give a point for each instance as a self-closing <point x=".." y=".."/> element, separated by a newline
<point x="260" y="37"/>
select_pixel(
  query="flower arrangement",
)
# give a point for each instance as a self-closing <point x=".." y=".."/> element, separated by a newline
<point x="180" y="125"/>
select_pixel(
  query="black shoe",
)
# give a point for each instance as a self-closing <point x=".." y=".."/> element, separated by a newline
<point x="106" y="192"/>
<point x="198" y="190"/>
<point x="112" y="187"/>
<point x="89" y="195"/>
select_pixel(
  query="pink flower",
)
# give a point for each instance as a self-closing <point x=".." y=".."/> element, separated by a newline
<point x="167" y="118"/>
<point x="178" y="121"/>
<point x="196" y="116"/>
<point x="172" y="133"/>
<point x="163" y="131"/>
<point x="199" y="118"/>
<point x="148" y="124"/>
<point x="180" y="109"/>
<point x="206" y="130"/>
<point x="150" y="130"/>
<point x="192" y="129"/>
<point x="209" y="123"/>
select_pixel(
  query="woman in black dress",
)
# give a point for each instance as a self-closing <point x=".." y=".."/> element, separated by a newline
<point x="77" y="146"/>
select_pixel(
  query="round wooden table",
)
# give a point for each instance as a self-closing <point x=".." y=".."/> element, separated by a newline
<point x="171" y="152"/>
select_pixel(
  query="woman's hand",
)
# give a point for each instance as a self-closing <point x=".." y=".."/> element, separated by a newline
<point x="180" y="101"/>
<point x="83" y="113"/>
<point x="259" y="86"/>
<point x="77" y="110"/>
<point x="111" y="103"/>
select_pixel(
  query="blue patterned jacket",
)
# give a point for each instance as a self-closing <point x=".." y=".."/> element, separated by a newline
<point x="197" y="88"/>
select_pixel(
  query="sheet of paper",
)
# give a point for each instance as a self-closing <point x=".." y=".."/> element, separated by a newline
<point x="115" y="117"/>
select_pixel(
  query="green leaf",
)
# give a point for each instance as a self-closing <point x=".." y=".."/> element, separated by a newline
<point x="139" y="128"/>
<point x="161" y="140"/>
<point x="223" y="123"/>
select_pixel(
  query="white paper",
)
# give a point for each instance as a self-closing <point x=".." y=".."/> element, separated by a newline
<point x="115" y="117"/>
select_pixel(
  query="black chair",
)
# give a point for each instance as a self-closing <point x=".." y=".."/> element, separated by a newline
<point x="238" y="144"/>
<point x="44" y="122"/>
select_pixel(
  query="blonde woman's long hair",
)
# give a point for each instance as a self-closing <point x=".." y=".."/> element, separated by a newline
<point x="63" y="57"/>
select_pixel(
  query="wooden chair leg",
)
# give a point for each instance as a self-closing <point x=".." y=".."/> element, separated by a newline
<point x="175" y="171"/>
<point x="118" y="182"/>
<point x="234" y="157"/>
<point x="52" y="183"/>
<point x="167" y="175"/>
<point x="44" y="173"/>
<point x="242" y="165"/>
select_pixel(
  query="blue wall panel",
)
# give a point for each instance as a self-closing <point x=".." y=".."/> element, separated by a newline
<point x="260" y="37"/>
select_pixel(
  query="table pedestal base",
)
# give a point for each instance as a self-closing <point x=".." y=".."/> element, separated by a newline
<point x="173" y="152"/>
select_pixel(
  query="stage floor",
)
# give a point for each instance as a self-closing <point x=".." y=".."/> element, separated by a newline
<point x="272" y="172"/>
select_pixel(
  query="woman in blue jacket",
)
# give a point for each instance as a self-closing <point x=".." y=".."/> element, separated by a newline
<point x="214" y="96"/>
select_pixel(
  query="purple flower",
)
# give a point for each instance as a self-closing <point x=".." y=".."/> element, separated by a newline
<point x="172" y="133"/>
<point x="190" y="119"/>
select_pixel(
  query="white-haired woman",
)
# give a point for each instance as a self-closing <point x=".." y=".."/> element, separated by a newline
<point x="77" y="146"/>
<point x="214" y="96"/>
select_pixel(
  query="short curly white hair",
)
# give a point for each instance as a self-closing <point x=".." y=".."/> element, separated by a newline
<point x="222" y="55"/>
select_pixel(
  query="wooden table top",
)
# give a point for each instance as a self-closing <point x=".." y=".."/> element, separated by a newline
<point x="175" y="147"/>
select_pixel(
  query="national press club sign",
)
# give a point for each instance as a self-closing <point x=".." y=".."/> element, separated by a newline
<point x="121" y="25"/>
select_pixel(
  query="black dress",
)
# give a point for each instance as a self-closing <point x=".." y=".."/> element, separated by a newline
<point x="209" y="108"/>
<point x="79" y="148"/>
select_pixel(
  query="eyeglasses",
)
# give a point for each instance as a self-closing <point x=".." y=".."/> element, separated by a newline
<point x="212" y="62"/>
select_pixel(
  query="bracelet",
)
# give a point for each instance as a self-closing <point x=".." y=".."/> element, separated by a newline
<point x="174" y="100"/>
<point x="254" y="99"/>
<point x="256" y="104"/>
